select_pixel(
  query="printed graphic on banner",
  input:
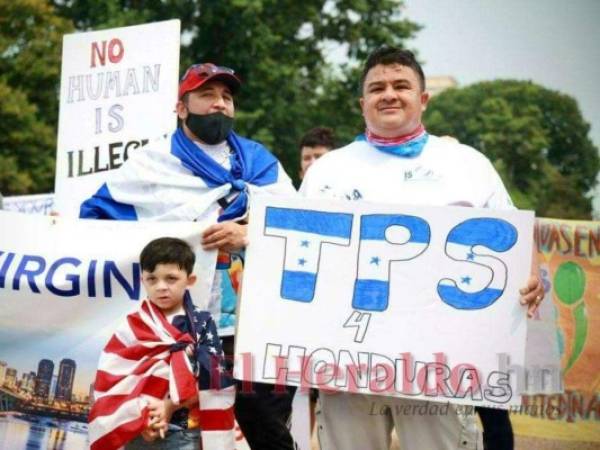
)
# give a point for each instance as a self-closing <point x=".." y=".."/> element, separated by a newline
<point x="65" y="284"/>
<point x="117" y="96"/>
<point x="419" y="302"/>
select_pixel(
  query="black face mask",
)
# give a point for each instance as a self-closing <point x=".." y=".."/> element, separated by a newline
<point x="210" y="128"/>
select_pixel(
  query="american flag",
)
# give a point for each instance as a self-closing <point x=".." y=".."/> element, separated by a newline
<point x="145" y="358"/>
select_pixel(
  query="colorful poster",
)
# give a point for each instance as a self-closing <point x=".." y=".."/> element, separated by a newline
<point x="117" y="95"/>
<point x="569" y="256"/>
<point x="64" y="284"/>
<point x="420" y="302"/>
<point x="571" y="252"/>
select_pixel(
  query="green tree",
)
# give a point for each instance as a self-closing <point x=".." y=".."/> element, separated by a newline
<point x="30" y="48"/>
<point x="278" y="47"/>
<point x="536" y="138"/>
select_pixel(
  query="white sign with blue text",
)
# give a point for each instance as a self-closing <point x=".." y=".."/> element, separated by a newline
<point x="419" y="302"/>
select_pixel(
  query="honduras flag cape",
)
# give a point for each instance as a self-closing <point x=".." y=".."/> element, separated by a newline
<point x="187" y="184"/>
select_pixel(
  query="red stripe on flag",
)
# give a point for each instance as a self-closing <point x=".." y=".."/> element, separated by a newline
<point x="173" y="331"/>
<point x="147" y="364"/>
<point x="216" y="419"/>
<point x="136" y="352"/>
<point x="141" y="331"/>
<point x="120" y="435"/>
<point x="114" y="345"/>
<point x="106" y="380"/>
<point x="184" y="378"/>
<point x="108" y="404"/>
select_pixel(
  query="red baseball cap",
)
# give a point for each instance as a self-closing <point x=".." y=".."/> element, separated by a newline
<point x="198" y="74"/>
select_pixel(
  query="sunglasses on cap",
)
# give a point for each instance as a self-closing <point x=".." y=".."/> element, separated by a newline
<point x="198" y="74"/>
<point x="205" y="70"/>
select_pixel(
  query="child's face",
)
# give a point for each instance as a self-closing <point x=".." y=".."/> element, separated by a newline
<point x="166" y="286"/>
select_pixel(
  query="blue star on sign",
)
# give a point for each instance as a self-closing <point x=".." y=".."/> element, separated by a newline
<point x="465" y="280"/>
<point x="304" y="243"/>
<point x="470" y="256"/>
<point x="375" y="260"/>
<point x="301" y="261"/>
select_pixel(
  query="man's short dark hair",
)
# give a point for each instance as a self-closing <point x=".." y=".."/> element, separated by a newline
<point x="318" y="137"/>
<point x="167" y="250"/>
<point x="392" y="55"/>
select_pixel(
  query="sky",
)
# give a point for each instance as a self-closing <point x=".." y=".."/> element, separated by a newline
<point x="555" y="43"/>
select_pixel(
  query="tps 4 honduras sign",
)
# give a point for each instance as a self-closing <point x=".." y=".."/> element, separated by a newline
<point x="117" y="95"/>
<point x="406" y="301"/>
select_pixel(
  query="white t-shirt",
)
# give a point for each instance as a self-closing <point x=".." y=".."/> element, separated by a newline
<point x="445" y="173"/>
<point x="179" y="312"/>
<point x="219" y="152"/>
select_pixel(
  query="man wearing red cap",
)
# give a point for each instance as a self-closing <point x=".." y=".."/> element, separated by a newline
<point x="209" y="172"/>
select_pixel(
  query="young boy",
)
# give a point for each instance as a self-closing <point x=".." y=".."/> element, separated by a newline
<point x="160" y="363"/>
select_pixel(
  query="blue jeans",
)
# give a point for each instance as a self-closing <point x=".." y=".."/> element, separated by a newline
<point x="175" y="439"/>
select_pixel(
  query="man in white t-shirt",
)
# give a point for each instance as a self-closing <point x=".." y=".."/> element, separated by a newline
<point x="397" y="161"/>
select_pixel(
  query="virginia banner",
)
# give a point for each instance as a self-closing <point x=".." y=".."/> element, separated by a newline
<point x="64" y="284"/>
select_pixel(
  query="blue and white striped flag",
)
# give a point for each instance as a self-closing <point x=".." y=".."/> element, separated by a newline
<point x="481" y="280"/>
<point x="305" y="231"/>
<point x="377" y="252"/>
<point x="184" y="183"/>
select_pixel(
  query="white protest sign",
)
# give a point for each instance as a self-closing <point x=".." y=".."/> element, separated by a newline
<point x="64" y="286"/>
<point x="117" y="95"/>
<point x="30" y="204"/>
<point x="392" y="300"/>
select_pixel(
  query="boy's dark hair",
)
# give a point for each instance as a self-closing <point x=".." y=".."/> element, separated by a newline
<point x="167" y="250"/>
<point x="392" y="55"/>
<point x="318" y="136"/>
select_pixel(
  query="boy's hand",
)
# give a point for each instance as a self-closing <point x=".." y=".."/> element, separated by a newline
<point x="159" y="412"/>
<point x="149" y="435"/>
<point x="228" y="236"/>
